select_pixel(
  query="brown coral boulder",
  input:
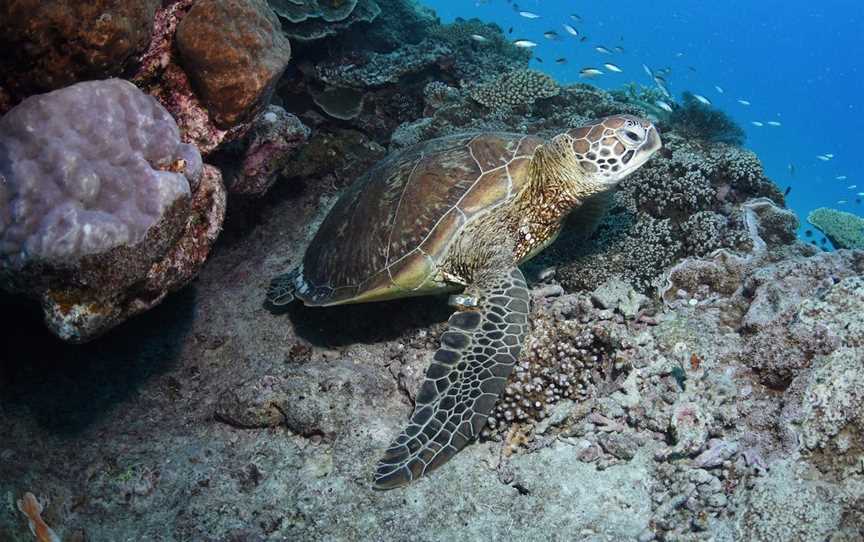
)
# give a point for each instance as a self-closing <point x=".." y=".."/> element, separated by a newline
<point x="49" y="45"/>
<point x="234" y="52"/>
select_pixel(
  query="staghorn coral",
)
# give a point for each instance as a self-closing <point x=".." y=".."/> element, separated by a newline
<point x="699" y="121"/>
<point x="517" y="88"/>
<point x="843" y="229"/>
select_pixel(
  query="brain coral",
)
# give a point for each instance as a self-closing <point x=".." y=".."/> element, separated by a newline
<point x="96" y="188"/>
<point x="519" y="87"/>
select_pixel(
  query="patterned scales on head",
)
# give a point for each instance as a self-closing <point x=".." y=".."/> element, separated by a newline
<point x="460" y="213"/>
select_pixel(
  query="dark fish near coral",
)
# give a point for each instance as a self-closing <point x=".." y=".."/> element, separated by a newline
<point x="788" y="189"/>
<point x="510" y="30"/>
<point x="822" y="241"/>
<point x="808" y="233"/>
<point x="538" y="59"/>
<point x="561" y="60"/>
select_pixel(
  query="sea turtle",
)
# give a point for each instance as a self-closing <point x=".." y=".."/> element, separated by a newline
<point x="460" y="213"/>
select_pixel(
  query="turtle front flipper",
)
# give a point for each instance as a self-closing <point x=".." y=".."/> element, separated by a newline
<point x="282" y="288"/>
<point x="465" y="379"/>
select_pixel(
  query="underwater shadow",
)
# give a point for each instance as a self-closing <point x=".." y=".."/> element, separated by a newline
<point x="365" y="322"/>
<point x="67" y="387"/>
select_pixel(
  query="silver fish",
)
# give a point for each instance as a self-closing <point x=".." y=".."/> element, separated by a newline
<point x="525" y="44"/>
<point x="529" y="15"/>
<point x="570" y="30"/>
<point x="612" y="67"/>
<point x="589" y="73"/>
<point x="663" y="105"/>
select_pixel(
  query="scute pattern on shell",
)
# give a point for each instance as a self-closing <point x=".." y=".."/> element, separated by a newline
<point x="390" y="229"/>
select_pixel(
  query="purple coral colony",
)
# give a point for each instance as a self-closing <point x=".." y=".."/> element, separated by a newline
<point x="691" y="370"/>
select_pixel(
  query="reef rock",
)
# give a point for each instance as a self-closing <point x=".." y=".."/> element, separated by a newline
<point x="48" y="45"/>
<point x="272" y="140"/>
<point x="234" y="52"/>
<point x="103" y="210"/>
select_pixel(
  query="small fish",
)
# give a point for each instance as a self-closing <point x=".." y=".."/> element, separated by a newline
<point x="648" y="71"/>
<point x="589" y="73"/>
<point x="822" y="240"/>
<point x="561" y="60"/>
<point x="603" y="50"/>
<point x="860" y="194"/>
<point x="757" y="123"/>
<point x="525" y="44"/>
<point x="538" y="59"/>
<point x="618" y="49"/>
<point x="824" y="157"/>
<point x="858" y="200"/>
<point x="612" y="67"/>
<point x="702" y="99"/>
<point x="788" y="189"/>
<point x="576" y="18"/>
<point x="692" y="69"/>
<point x="791" y="168"/>
<point x="829" y="155"/>
<point x="719" y="89"/>
<point x="31" y="508"/>
<point x="679" y="55"/>
<point x="583" y="39"/>
<point x="841" y="177"/>
<point x="478" y="38"/>
<point x="529" y="15"/>
<point x="773" y="123"/>
<point x="570" y="30"/>
<point x="743" y="102"/>
<point x="852" y="186"/>
<point x="550" y="35"/>
<point x="663" y="105"/>
<point x="841" y="201"/>
<point x="808" y="233"/>
<point x="510" y="30"/>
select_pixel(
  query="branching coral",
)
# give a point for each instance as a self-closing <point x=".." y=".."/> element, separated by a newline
<point x="520" y="87"/>
<point x="845" y="230"/>
<point x="697" y="120"/>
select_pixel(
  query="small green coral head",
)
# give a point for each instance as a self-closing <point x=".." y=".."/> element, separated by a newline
<point x="611" y="148"/>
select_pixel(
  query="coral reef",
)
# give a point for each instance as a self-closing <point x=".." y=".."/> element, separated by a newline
<point x="234" y="52"/>
<point x="696" y="120"/>
<point x="689" y="201"/>
<point x="79" y="230"/>
<point x="48" y="45"/>
<point x="521" y="87"/>
<point x="161" y="76"/>
<point x="844" y="230"/>
<point x="273" y="139"/>
<point x="692" y="372"/>
<point x="310" y="20"/>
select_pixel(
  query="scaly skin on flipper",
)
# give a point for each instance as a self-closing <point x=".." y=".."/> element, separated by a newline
<point x="466" y="377"/>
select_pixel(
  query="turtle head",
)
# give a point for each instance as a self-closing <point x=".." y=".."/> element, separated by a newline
<point x="611" y="148"/>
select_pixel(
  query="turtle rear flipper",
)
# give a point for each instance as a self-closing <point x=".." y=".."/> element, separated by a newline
<point x="467" y="375"/>
<point x="282" y="288"/>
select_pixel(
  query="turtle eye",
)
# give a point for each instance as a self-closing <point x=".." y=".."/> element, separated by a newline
<point x="632" y="136"/>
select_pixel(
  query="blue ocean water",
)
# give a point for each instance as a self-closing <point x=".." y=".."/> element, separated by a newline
<point x="797" y="62"/>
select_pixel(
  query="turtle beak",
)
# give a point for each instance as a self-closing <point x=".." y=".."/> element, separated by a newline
<point x="652" y="142"/>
